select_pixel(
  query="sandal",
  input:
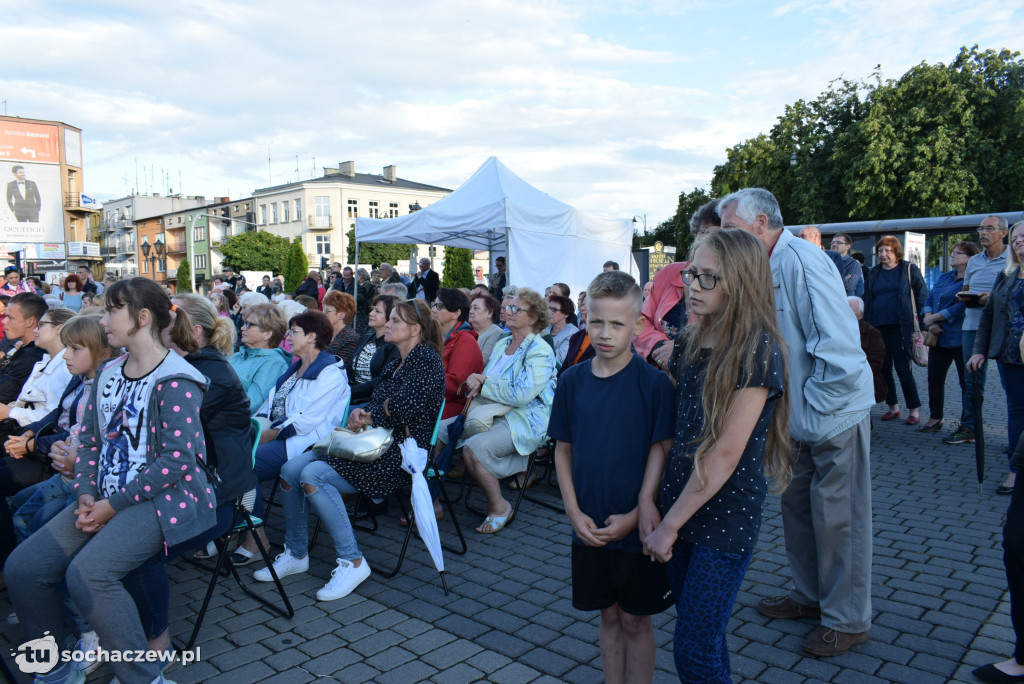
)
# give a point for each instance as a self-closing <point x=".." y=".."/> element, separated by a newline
<point x="208" y="552"/>
<point x="243" y="556"/>
<point x="494" y="523"/>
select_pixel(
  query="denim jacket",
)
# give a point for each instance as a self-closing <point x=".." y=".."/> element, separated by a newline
<point x="830" y="385"/>
<point x="528" y="386"/>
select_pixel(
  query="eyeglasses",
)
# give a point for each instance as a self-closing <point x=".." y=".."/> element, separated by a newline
<point x="839" y="242"/>
<point x="11" y="269"/>
<point x="42" y="323"/>
<point x="437" y="306"/>
<point x="330" y="310"/>
<point x="294" y="333"/>
<point x="988" y="229"/>
<point x="554" y="309"/>
<point x="513" y="309"/>
<point x="708" y="281"/>
<point x="250" y="324"/>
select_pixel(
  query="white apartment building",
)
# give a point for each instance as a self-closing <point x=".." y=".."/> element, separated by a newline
<point x="322" y="210"/>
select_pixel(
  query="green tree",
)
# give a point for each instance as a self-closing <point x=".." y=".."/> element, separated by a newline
<point x="296" y="268"/>
<point x="184" y="283"/>
<point x="255" y="251"/>
<point x="375" y="253"/>
<point x="689" y="202"/>
<point x="458" y="268"/>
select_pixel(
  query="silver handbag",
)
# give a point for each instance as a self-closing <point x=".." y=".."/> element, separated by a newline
<point x="363" y="446"/>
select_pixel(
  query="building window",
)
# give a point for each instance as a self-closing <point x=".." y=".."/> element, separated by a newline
<point x="200" y="260"/>
<point x="286" y="209"/>
<point x="432" y="250"/>
<point x="199" y="233"/>
<point x="374" y="209"/>
<point x="273" y="212"/>
<point x="298" y="210"/>
<point x="393" y="209"/>
<point x="353" y="208"/>
<point x="322" y="212"/>
<point x="145" y="265"/>
<point x="162" y="265"/>
<point x="263" y="214"/>
<point x="323" y="245"/>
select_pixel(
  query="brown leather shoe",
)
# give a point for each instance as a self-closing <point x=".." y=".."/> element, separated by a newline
<point x="825" y="642"/>
<point x="785" y="608"/>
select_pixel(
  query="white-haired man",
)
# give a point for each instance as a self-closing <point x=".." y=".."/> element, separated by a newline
<point x="826" y="510"/>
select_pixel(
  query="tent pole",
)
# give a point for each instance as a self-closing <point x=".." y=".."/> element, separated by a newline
<point x="508" y="249"/>
<point x="355" y="283"/>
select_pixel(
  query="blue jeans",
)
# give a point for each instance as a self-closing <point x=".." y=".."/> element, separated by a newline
<point x="326" y="502"/>
<point x="704" y="583"/>
<point x="971" y="379"/>
<point x="1012" y="375"/>
<point x="269" y="459"/>
<point x="43" y="502"/>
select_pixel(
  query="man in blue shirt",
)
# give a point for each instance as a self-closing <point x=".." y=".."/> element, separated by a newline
<point x="853" y="272"/>
<point x="979" y="278"/>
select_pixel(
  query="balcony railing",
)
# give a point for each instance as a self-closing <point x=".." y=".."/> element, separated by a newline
<point x="126" y="247"/>
<point x="172" y="273"/>
<point x="319" y="222"/>
<point x="176" y="247"/>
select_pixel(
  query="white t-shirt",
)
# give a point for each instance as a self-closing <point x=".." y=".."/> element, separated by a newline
<point x="499" y="366"/>
<point x="122" y="404"/>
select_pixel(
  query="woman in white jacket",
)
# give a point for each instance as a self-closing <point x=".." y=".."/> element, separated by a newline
<point x="307" y="402"/>
<point x="49" y="377"/>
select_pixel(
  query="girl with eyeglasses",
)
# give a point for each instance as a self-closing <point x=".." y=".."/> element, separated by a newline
<point x="731" y="427"/>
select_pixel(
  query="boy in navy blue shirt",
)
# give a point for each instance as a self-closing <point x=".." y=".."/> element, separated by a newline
<point x="609" y="414"/>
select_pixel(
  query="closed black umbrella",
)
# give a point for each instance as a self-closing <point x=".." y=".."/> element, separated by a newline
<point x="979" y="428"/>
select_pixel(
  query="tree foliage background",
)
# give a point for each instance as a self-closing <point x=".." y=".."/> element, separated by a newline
<point x="942" y="139"/>
<point x="255" y="251"/>
<point x="374" y="253"/>
<point x="458" y="268"/>
<point x="297" y="267"/>
<point x="184" y="282"/>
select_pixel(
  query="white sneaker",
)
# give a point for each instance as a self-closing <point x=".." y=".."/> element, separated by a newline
<point x="285" y="564"/>
<point x="344" y="579"/>
<point x="89" y="643"/>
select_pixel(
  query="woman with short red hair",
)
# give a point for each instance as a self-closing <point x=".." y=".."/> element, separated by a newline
<point x="71" y="292"/>
<point x="887" y="306"/>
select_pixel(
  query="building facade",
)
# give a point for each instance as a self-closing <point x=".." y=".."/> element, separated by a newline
<point x="323" y="210"/>
<point x="45" y="217"/>
<point x="119" y="241"/>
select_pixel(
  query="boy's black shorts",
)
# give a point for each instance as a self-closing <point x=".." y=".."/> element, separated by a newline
<point x="603" y="577"/>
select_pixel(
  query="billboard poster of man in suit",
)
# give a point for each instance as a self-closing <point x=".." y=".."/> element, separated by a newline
<point x="23" y="196"/>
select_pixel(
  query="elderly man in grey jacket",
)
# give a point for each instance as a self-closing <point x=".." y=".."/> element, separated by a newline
<point x="826" y="510"/>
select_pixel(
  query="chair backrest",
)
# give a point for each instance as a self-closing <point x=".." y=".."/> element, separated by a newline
<point x="437" y="425"/>
<point x="257" y="431"/>
<point x="348" y="407"/>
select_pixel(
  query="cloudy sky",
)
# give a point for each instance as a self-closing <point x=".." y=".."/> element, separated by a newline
<point x="614" y="107"/>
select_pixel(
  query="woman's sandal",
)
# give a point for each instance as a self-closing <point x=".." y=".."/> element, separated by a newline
<point x="495" y="523"/>
<point x="243" y="556"/>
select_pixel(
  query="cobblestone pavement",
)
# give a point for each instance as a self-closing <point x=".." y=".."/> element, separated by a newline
<point x="940" y="599"/>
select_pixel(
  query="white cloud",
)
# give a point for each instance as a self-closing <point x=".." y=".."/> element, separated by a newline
<point x="613" y="107"/>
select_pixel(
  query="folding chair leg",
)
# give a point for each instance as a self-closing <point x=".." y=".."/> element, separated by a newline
<point x="287" y="611"/>
<point x="450" y="505"/>
<point x="222" y="557"/>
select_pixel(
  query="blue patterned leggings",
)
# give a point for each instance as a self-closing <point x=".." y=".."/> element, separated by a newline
<point x="705" y="583"/>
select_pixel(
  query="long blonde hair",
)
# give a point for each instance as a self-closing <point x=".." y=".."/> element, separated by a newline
<point x="739" y="327"/>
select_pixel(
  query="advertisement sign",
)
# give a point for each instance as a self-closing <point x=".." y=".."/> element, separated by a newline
<point x="913" y="249"/>
<point x="33" y="210"/>
<point x="30" y="142"/>
<point x="72" y="148"/>
<point x="84" y="249"/>
<point x="45" y="250"/>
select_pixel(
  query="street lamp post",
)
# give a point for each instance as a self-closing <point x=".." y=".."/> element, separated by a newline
<point x="641" y="218"/>
<point x="158" y="253"/>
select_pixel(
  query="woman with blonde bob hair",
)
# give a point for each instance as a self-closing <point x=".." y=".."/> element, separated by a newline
<point x="732" y="421"/>
<point x="260" y="361"/>
<point x="521" y="375"/>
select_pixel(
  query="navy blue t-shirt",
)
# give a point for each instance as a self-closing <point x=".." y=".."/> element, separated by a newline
<point x="731" y="520"/>
<point x="885" y="308"/>
<point x="611" y="424"/>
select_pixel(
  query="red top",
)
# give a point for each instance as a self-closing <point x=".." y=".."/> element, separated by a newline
<point x="462" y="358"/>
<point x="667" y="292"/>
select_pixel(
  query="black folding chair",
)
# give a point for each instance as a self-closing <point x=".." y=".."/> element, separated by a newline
<point x="241" y="521"/>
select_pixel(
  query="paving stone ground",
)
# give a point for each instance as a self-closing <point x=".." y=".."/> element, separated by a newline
<point x="939" y="594"/>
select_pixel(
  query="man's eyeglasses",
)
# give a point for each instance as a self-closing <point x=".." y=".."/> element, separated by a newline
<point x="708" y="281"/>
<point x="988" y="229"/>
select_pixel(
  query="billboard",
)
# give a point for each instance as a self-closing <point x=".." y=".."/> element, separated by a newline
<point x="33" y="209"/>
<point x="72" y="148"/>
<point x="29" y="142"/>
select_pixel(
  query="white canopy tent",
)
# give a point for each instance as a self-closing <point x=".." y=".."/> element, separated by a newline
<point x="546" y="240"/>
